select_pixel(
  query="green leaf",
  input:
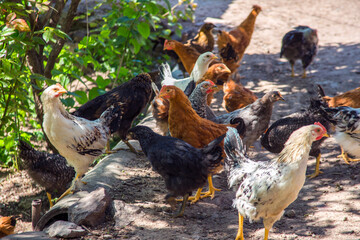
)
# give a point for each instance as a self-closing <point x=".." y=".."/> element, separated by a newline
<point x="101" y="82"/>
<point x="93" y="93"/>
<point x="81" y="97"/>
<point x="68" y="102"/>
<point x="136" y="45"/>
<point x="152" y="8"/>
<point x="144" y="29"/>
<point x="61" y="34"/>
<point x="129" y="12"/>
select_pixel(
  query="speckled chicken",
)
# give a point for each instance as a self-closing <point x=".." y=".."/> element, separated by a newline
<point x="198" y="99"/>
<point x="347" y="130"/>
<point x="183" y="167"/>
<point x="300" y="43"/>
<point x="77" y="139"/>
<point x="265" y="189"/>
<point x="132" y="96"/>
<point x="48" y="170"/>
<point x="256" y="116"/>
<point x="279" y="132"/>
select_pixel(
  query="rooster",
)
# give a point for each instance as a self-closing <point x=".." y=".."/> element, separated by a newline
<point x="237" y="39"/>
<point x="77" y="139"/>
<point x="265" y="189"/>
<point x="347" y="130"/>
<point x="300" y="43"/>
<point x="183" y="167"/>
<point x="7" y="226"/>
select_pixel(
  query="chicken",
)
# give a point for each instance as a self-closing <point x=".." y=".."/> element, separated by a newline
<point x="219" y="73"/>
<point x="347" y="130"/>
<point x="350" y="98"/>
<point x="7" y="226"/>
<point x="265" y="189"/>
<point x="301" y="43"/>
<point x="236" y="96"/>
<point x="186" y="124"/>
<point x="188" y="55"/>
<point x="204" y="40"/>
<point x="256" y="116"/>
<point x="200" y="68"/>
<point x="183" y="167"/>
<point x="160" y="106"/>
<point x="238" y="38"/>
<point x="133" y="96"/>
<point x="48" y="170"/>
<point x="279" y="132"/>
<point x="199" y="96"/>
<point x="230" y="58"/>
<point x="77" y="139"/>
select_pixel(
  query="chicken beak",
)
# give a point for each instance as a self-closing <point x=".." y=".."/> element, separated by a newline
<point x="214" y="57"/>
<point x="326" y="135"/>
<point x="281" y="98"/>
<point x="214" y="87"/>
<point x="227" y="70"/>
<point x="61" y="90"/>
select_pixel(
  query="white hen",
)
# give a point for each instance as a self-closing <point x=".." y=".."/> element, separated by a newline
<point x="77" y="139"/>
<point x="265" y="189"/>
<point x="200" y="68"/>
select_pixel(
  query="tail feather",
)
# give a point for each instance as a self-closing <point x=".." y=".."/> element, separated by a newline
<point x="241" y="128"/>
<point x="165" y="72"/>
<point x="111" y="113"/>
<point x="213" y="152"/>
<point x="234" y="149"/>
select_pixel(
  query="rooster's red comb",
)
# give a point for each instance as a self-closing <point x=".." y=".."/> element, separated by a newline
<point x="322" y="126"/>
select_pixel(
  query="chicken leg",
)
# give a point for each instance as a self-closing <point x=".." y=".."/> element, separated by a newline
<point x="180" y="212"/>
<point x="240" y="233"/>
<point x="70" y="189"/>
<point x="346" y="158"/>
<point x="50" y="199"/>
<point x="292" y="70"/>
<point x="132" y="149"/>
<point x="317" y="168"/>
<point x="266" y="234"/>
<point x="212" y="189"/>
<point x="304" y="73"/>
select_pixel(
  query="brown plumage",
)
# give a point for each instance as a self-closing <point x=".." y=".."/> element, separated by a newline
<point x="219" y="73"/>
<point x="7" y="226"/>
<point x="188" y="55"/>
<point x="350" y="98"/>
<point x="239" y="38"/>
<point x="186" y="124"/>
<point x="236" y="96"/>
<point x="204" y="41"/>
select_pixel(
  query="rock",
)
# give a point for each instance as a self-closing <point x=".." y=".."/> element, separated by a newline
<point x="38" y="235"/>
<point x="290" y="213"/>
<point x="124" y="213"/>
<point x="90" y="210"/>
<point x="65" y="229"/>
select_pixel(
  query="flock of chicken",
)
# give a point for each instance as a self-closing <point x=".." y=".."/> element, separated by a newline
<point x="195" y="143"/>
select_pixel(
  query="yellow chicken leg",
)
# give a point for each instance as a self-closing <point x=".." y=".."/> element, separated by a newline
<point x="304" y="73"/>
<point x="266" y="234"/>
<point x="211" y="191"/>
<point x="317" y="168"/>
<point x="240" y="233"/>
<point x="50" y="199"/>
<point x="346" y="158"/>
<point x="292" y="70"/>
<point x="193" y="199"/>
<point x="70" y="191"/>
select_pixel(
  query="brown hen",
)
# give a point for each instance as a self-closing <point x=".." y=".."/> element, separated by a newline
<point x="204" y="41"/>
<point x="236" y="96"/>
<point x="350" y="98"/>
<point x="7" y="226"/>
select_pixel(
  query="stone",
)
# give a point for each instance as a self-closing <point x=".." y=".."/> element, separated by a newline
<point x="65" y="229"/>
<point x="90" y="210"/>
<point x="124" y="213"/>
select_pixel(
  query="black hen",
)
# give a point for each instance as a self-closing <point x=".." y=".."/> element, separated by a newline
<point x="183" y="167"/>
<point x="48" y="170"/>
<point x="132" y="97"/>
<point x="301" y="43"/>
<point x="278" y="133"/>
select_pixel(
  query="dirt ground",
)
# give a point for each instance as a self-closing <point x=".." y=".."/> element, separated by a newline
<point x="328" y="207"/>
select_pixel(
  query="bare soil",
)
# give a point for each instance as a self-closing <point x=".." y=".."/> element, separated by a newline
<point x="328" y="207"/>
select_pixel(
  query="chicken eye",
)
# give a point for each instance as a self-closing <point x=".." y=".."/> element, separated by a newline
<point x="168" y="90"/>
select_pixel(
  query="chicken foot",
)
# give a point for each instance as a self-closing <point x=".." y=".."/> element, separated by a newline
<point x="70" y="189"/>
<point x="317" y="168"/>
<point x="240" y="233"/>
<point x="346" y="157"/>
<point x="304" y="73"/>
<point x="180" y="211"/>
<point x="193" y="199"/>
<point x="211" y="191"/>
